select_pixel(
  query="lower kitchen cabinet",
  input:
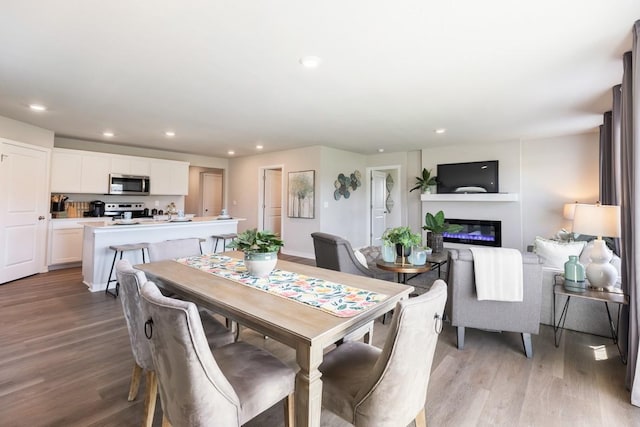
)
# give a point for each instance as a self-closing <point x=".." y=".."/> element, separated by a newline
<point x="65" y="240"/>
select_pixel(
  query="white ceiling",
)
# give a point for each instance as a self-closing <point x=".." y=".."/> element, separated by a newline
<point x="225" y="74"/>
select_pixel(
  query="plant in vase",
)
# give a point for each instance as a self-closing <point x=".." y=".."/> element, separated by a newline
<point x="260" y="250"/>
<point x="402" y="238"/>
<point x="436" y="225"/>
<point x="425" y="182"/>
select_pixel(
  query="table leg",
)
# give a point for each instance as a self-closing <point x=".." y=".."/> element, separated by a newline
<point x="308" y="392"/>
<point x="614" y="332"/>
<point x="563" y="318"/>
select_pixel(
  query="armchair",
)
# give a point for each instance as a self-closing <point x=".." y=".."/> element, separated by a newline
<point x="464" y="309"/>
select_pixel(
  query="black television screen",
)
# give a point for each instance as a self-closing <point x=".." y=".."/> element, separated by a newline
<point x="470" y="177"/>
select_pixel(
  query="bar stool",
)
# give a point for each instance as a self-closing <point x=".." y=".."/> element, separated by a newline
<point x="224" y="238"/>
<point x="121" y="249"/>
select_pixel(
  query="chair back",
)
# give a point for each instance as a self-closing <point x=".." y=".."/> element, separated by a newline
<point x="177" y="248"/>
<point x="193" y="389"/>
<point x="396" y="390"/>
<point x="131" y="281"/>
<point x="335" y="253"/>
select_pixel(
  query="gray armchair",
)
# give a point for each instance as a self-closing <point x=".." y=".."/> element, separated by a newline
<point x="465" y="311"/>
<point x="371" y="387"/>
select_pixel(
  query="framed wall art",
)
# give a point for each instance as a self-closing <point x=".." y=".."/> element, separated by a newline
<point x="301" y="200"/>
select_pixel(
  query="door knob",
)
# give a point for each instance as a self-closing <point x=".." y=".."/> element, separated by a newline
<point x="40" y="218"/>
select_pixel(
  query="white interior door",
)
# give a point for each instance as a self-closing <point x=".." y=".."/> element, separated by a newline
<point x="272" y="214"/>
<point x="378" y="206"/>
<point x="24" y="208"/>
<point x="211" y="194"/>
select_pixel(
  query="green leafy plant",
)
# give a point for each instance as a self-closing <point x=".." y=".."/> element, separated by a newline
<point x="425" y="181"/>
<point x="401" y="235"/>
<point x="257" y="241"/>
<point x="436" y="224"/>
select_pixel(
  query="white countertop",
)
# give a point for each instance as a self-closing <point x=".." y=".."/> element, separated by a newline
<point x="147" y="222"/>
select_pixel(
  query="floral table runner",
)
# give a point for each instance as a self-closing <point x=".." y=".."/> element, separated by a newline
<point x="335" y="298"/>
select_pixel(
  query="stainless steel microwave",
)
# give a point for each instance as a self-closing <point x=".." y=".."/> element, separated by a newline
<point x="128" y="184"/>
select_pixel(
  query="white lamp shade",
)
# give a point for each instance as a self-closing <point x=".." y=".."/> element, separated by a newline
<point x="569" y="210"/>
<point x="597" y="220"/>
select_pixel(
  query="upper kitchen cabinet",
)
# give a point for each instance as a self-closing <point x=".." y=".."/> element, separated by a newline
<point x="130" y="165"/>
<point x="66" y="170"/>
<point x="95" y="174"/>
<point x="169" y="177"/>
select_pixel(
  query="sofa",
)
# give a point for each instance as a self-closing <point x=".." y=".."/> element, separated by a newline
<point x="583" y="315"/>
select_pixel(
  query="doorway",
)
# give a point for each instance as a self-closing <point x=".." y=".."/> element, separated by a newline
<point x="385" y="202"/>
<point x="24" y="208"/>
<point x="211" y="186"/>
<point x="271" y="194"/>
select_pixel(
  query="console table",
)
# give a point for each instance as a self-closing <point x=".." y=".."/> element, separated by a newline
<point x="605" y="297"/>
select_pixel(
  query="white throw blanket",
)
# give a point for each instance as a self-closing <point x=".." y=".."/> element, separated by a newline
<point x="498" y="274"/>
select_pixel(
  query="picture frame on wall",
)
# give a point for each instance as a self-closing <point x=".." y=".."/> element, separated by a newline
<point x="301" y="194"/>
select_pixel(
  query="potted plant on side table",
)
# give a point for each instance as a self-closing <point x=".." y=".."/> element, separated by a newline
<point x="436" y="225"/>
<point x="403" y="239"/>
<point x="260" y="250"/>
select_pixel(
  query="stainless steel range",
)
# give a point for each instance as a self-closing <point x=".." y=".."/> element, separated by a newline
<point x="117" y="209"/>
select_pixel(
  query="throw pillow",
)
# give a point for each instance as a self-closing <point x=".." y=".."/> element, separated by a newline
<point x="554" y="254"/>
<point x="361" y="258"/>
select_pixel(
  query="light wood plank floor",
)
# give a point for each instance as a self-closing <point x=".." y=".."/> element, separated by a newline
<point x="65" y="360"/>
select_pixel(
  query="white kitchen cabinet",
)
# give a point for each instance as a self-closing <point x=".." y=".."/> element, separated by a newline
<point x="95" y="174"/>
<point x="130" y="165"/>
<point x="169" y="177"/>
<point x="66" y="169"/>
<point x="65" y="240"/>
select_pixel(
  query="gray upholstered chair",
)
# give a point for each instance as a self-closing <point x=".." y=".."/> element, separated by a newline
<point x="176" y="248"/>
<point x="465" y="311"/>
<point x="226" y="386"/>
<point x="131" y="280"/>
<point x="335" y="253"/>
<point x="371" y="387"/>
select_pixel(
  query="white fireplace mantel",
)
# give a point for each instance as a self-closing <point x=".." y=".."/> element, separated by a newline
<point x="470" y="197"/>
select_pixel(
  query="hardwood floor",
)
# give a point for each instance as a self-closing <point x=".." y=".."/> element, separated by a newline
<point x="65" y="360"/>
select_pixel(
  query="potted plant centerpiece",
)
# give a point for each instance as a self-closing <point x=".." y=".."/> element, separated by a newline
<point x="436" y="225"/>
<point x="260" y="250"/>
<point x="425" y="182"/>
<point x="403" y="239"/>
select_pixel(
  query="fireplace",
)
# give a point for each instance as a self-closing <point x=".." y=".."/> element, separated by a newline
<point x="476" y="232"/>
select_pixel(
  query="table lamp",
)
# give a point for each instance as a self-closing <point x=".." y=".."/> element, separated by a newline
<point x="568" y="212"/>
<point x="599" y="220"/>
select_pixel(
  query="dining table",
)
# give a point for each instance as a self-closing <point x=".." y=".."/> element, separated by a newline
<point x="307" y="329"/>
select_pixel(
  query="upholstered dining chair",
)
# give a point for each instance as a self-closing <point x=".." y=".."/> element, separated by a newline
<point x="466" y="311"/>
<point x="131" y="280"/>
<point x="176" y="248"/>
<point x="371" y="387"/>
<point x="227" y="386"/>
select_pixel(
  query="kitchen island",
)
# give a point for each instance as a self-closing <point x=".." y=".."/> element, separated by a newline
<point x="99" y="235"/>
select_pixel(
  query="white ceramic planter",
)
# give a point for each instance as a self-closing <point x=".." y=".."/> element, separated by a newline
<point x="260" y="264"/>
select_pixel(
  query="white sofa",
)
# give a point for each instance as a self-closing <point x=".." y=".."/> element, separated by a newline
<point x="584" y="315"/>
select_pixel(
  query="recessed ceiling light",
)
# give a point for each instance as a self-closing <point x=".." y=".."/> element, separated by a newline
<point x="231" y="152"/>
<point x="37" y="107"/>
<point x="259" y="147"/>
<point x="310" y="61"/>
<point x="380" y="150"/>
<point x="108" y="134"/>
<point x="170" y="134"/>
<point x="441" y="130"/>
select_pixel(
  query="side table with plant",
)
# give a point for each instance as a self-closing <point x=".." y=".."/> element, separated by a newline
<point x="260" y="250"/>
<point x="402" y="238"/>
<point x="436" y="225"/>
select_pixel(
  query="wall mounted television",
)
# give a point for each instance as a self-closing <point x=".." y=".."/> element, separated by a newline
<point x="470" y="177"/>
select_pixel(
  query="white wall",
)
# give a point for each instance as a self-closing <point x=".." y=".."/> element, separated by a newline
<point x="23" y="132"/>
<point x="243" y="184"/>
<point x="546" y="173"/>
<point x="556" y="171"/>
<point x="346" y="218"/>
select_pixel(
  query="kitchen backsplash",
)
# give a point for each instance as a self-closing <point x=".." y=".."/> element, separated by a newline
<point x="77" y="204"/>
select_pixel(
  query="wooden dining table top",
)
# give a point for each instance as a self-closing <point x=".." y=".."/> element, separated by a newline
<point x="284" y="319"/>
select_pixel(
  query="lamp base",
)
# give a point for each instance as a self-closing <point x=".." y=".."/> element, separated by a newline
<point x="601" y="273"/>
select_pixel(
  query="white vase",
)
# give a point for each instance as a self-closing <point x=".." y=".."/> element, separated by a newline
<point x="260" y="264"/>
<point x="388" y="253"/>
